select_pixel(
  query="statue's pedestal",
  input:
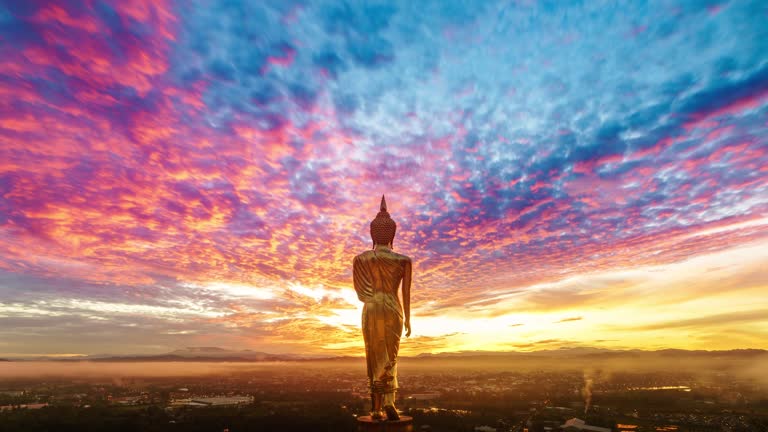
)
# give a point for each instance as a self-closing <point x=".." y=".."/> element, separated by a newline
<point x="367" y="424"/>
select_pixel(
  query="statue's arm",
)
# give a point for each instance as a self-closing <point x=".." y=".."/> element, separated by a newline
<point x="407" y="297"/>
<point x="361" y="280"/>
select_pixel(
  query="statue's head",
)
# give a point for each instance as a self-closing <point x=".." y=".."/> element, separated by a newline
<point x="383" y="227"/>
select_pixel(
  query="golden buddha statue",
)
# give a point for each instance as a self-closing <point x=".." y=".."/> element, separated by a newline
<point x="377" y="274"/>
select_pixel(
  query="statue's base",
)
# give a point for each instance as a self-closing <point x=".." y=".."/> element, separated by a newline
<point x="367" y="424"/>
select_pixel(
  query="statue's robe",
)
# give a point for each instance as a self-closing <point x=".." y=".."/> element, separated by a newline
<point x="377" y="275"/>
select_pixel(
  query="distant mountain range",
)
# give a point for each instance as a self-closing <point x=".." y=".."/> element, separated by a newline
<point x="596" y="352"/>
<point x="199" y="354"/>
<point x="215" y="354"/>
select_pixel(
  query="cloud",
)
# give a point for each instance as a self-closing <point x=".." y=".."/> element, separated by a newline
<point x="569" y="319"/>
<point x="717" y="320"/>
<point x="541" y="344"/>
<point x="148" y="149"/>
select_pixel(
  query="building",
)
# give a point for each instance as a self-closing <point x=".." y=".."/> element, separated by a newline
<point x="224" y="400"/>
<point x="577" y="425"/>
<point x="424" y="396"/>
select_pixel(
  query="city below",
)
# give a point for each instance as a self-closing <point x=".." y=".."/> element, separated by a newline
<point x="570" y="389"/>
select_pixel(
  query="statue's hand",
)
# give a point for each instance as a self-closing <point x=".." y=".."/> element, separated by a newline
<point x="407" y="329"/>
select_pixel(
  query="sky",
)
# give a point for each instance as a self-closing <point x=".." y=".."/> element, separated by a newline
<point x="202" y="173"/>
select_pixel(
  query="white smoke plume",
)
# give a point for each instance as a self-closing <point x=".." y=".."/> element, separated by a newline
<point x="586" y="392"/>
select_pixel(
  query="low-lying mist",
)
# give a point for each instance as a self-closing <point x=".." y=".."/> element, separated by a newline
<point x="748" y="367"/>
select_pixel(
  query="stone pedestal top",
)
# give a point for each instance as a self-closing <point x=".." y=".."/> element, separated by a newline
<point x="367" y="424"/>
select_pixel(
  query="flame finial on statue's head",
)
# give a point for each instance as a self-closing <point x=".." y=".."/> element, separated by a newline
<point x="383" y="227"/>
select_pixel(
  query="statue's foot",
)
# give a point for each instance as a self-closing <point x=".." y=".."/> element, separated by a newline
<point x="377" y="415"/>
<point x="391" y="413"/>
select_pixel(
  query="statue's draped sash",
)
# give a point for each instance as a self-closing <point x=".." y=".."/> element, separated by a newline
<point x="377" y="276"/>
